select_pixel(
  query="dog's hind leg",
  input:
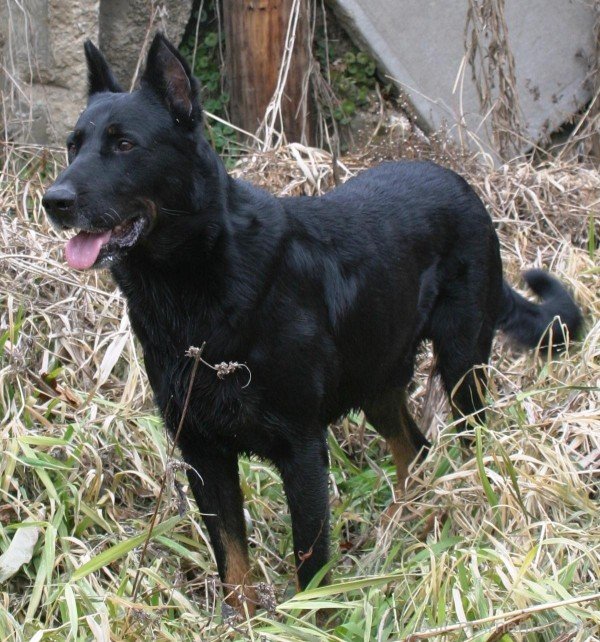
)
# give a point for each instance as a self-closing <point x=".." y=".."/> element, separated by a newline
<point x="460" y="345"/>
<point x="214" y="481"/>
<point x="304" y="471"/>
<point x="389" y="415"/>
<point x="463" y="321"/>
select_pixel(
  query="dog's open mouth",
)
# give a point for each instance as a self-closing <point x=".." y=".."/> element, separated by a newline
<point x="87" y="249"/>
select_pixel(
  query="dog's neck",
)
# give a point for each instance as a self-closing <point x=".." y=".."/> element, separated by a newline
<point x="208" y="282"/>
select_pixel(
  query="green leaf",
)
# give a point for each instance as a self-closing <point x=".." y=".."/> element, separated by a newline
<point x="72" y="611"/>
<point x="348" y="107"/>
<point x="122" y="548"/>
<point x="340" y="588"/>
<point x="512" y="473"/>
<point x="211" y="39"/>
<point x="485" y="482"/>
<point x="592" y="241"/>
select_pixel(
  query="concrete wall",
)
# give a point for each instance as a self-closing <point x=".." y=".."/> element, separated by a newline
<point x="41" y="52"/>
<point x="420" y="44"/>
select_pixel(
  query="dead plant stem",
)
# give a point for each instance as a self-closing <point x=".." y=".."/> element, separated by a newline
<point x="197" y="360"/>
<point x="424" y="635"/>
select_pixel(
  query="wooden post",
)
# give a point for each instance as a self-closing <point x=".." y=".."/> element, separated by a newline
<point x="255" y="33"/>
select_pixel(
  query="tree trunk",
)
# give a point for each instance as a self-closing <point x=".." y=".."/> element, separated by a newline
<point x="255" y="32"/>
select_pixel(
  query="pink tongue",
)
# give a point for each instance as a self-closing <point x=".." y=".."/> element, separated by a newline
<point x="82" y="250"/>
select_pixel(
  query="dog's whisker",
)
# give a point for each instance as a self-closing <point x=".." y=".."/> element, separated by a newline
<point x="175" y="212"/>
<point x="117" y="217"/>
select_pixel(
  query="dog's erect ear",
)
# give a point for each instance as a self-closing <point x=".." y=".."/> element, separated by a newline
<point x="100" y="77"/>
<point x="168" y="74"/>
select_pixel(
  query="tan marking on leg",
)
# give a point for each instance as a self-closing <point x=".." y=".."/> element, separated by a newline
<point x="403" y="455"/>
<point x="238" y="590"/>
<point x="391" y="418"/>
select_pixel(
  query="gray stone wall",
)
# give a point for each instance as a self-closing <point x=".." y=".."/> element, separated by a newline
<point x="420" y="45"/>
<point x="43" y="83"/>
<point x="125" y="25"/>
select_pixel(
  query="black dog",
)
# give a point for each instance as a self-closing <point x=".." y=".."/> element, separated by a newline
<point x="326" y="300"/>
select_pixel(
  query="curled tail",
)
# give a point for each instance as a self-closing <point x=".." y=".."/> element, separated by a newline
<point x="532" y="324"/>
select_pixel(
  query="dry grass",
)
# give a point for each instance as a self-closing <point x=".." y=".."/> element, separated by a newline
<point x="506" y="543"/>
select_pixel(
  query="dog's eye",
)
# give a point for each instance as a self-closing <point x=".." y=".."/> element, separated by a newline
<point x="124" y="145"/>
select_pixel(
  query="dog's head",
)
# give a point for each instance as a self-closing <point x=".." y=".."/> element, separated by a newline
<point x="131" y="156"/>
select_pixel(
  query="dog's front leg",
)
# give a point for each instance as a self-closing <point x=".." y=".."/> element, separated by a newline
<point x="214" y="480"/>
<point x="305" y="473"/>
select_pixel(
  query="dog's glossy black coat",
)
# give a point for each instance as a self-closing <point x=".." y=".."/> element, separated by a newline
<point x="325" y="299"/>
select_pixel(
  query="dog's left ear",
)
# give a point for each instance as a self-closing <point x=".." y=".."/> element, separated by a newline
<point x="168" y="74"/>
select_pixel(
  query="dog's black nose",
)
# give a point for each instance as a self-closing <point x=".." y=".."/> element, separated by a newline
<point x="59" y="200"/>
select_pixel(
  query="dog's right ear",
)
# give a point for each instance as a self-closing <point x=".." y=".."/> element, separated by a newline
<point x="100" y="77"/>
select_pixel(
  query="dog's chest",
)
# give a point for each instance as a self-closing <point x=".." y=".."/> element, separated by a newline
<point x="172" y="322"/>
<point x="207" y="389"/>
